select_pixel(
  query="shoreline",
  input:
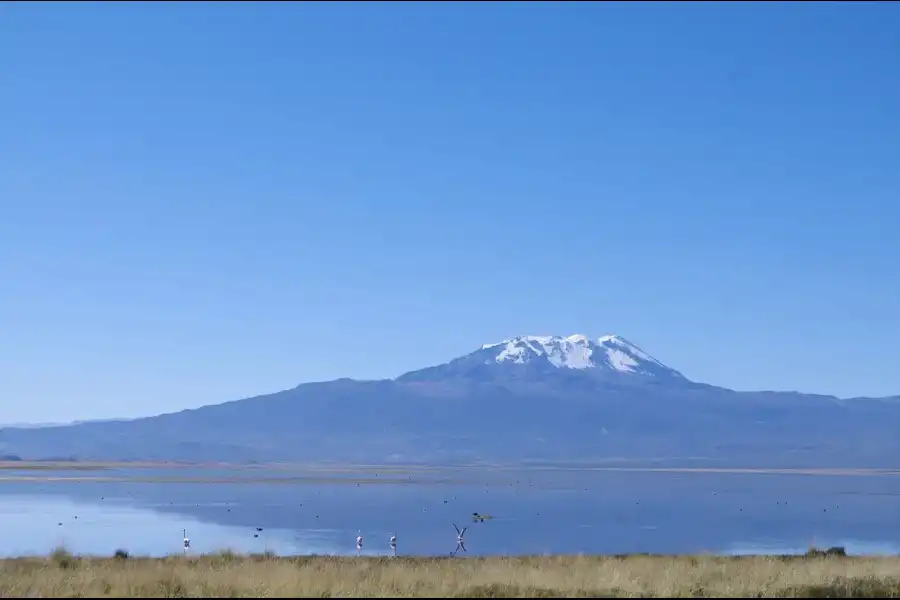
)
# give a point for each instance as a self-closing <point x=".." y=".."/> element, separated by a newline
<point x="62" y="472"/>
<point x="351" y="468"/>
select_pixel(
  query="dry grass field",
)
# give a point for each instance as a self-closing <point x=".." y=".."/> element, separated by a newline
<point x="229" y="575"/>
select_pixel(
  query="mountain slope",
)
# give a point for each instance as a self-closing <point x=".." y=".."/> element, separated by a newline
<point x="527" y="398"/>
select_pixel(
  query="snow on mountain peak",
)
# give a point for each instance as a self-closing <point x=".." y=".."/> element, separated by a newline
<point x="578" y="351"/>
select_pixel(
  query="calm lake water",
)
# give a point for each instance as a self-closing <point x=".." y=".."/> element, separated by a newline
<point x="533" y="512"/>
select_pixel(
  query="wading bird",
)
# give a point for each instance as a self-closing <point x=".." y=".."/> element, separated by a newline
<point x="460" y="542"/>
<point x="186" y="541"/>
<point x="394" y="545"/>
<point x="359" y="542"/>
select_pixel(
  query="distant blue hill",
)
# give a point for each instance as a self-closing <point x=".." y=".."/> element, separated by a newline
<point x="530" y="398"/>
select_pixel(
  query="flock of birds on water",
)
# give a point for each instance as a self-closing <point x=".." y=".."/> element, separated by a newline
<point x="392" y="541"/>
<point x="460" y="538"/>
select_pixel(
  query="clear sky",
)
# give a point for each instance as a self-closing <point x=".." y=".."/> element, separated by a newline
<point x="202" y="202"/>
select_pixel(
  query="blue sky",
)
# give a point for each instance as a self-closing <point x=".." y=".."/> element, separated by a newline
<point x="202" y="202"/>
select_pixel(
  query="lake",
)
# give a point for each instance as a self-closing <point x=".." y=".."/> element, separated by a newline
<point x="534" y="511"/>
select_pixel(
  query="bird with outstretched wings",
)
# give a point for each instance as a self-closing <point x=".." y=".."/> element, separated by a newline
<point x="460" y="542"/>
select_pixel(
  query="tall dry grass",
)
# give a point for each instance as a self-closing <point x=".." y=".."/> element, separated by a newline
<point x="228" y="575"/>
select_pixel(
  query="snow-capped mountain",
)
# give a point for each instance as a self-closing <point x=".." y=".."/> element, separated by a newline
<point x="580" y="352"/>
<point x="551" y="358"/>
<point x="545" y="398"/>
